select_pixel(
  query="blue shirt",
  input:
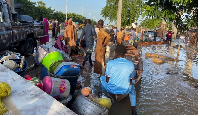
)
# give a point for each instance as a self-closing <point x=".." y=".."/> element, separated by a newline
<point x="120" y="72"/>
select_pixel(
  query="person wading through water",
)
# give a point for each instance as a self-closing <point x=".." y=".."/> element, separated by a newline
<point x="169" y="37"/>
<point x="102" y="40"/>
<point x="89" y="32"/>
<point x="119" y="76"/>
<point x="70" y="36"/>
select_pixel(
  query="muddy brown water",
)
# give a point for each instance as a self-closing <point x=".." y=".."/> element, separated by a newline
<point x="166" y="89"/>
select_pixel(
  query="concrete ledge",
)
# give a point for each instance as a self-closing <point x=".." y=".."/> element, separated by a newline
<point x="27" y="99"/>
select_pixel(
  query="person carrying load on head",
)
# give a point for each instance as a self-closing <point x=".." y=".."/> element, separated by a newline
<point x="119" y="76"/>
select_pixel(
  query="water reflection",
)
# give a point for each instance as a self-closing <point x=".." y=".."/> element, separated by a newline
<point x="163" y="89"/>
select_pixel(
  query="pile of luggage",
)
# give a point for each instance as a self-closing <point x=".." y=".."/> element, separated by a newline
<point x="58" y="75"/>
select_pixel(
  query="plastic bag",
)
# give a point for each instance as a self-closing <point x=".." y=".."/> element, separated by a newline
<point x="106" y="102"/>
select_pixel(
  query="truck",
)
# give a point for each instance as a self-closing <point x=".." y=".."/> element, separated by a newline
<point x="18" y="32"/>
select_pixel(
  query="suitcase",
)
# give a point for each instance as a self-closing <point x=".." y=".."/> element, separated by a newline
<point x="67" y="69"/>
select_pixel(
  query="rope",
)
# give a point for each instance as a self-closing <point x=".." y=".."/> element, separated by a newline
<point x="5" y="90"/>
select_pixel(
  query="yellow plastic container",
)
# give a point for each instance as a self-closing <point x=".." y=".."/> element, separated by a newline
<point x="106" y="102"/>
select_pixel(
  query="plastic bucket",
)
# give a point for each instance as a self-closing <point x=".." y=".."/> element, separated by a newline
<point x="21" y="72"/>
<point x="57" y="88"/>
<point x="55" y="65"/>
<point x="71" y="79"/>
<point x="51" y="58"/>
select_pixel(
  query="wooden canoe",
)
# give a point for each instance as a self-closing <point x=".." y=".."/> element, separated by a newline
<point x="151" y="43"/>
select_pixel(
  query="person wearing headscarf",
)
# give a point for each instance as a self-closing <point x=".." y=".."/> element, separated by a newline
<point x="70" y="35"/>
<point x="45" y="32"/>
<point x="102" y="40"/>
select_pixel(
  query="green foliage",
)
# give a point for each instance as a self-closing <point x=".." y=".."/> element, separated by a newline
<point x="171" y="10"/>
<point x="131" y="9"/>
<point x="39" y="9"/>
<point x="151" y="23"/>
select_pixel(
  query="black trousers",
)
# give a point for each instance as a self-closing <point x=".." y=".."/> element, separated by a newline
<point x="88" y="56"/>
<point x="155" y="38"/>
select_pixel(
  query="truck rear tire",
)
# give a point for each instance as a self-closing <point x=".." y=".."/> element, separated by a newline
<point x="28" y="47"/>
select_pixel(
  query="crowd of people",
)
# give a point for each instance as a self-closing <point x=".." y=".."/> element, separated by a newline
<point x="118" y="74"/>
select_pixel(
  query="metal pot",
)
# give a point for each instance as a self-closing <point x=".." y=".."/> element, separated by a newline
<point x="84" y="106"/>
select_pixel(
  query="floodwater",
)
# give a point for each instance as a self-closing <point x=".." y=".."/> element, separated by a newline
<point x="171" y="88"/>
<point x="167" y="89"/>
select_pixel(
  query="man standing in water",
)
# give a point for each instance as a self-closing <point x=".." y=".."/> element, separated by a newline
<point x="89" y="32"/>
<point x="169" y="37"/>
<point x="102" y="40"/>
<point x="119" y="76"/>
<point x="70" y="36"/>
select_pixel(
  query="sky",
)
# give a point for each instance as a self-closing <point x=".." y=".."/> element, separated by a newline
<point x="74" y="6"/>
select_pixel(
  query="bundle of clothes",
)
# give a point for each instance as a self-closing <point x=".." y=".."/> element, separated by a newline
<point x="5" y="90"/>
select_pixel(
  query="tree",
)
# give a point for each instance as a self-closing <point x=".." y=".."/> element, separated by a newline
<point x="130" y="11"/>
<point x="172" y="10"/>
<point x="39" y="9"/>
<point x="119" y="14"/>
<point x="151" y="23"/>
